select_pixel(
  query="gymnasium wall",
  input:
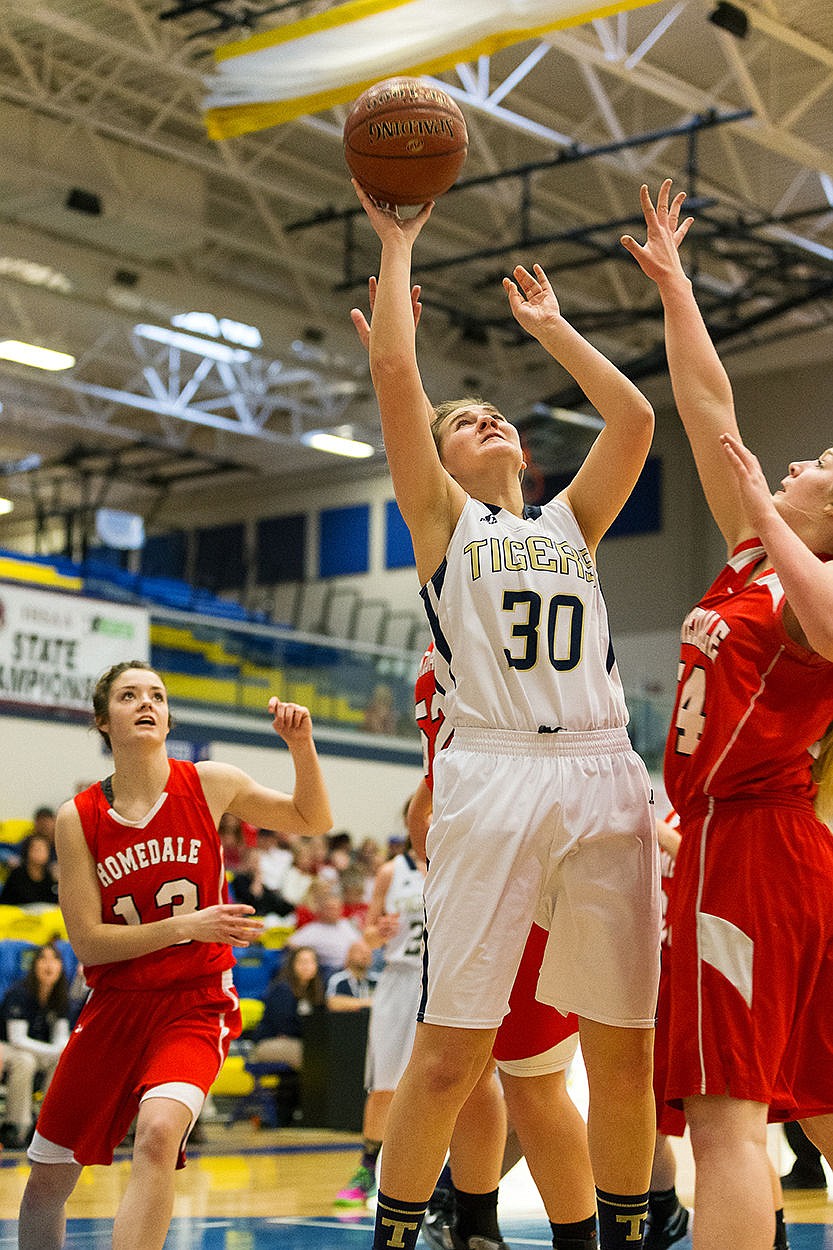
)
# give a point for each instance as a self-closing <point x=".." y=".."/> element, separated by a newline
<point x="649" y="580"/>
<point x="45" y="762"/>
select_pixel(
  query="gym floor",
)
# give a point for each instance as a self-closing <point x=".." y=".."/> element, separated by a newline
<point x="272" y="1189"/>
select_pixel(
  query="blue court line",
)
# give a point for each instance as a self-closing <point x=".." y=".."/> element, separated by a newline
<point x="299" y="1233"/>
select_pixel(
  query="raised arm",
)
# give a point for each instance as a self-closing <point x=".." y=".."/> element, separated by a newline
<point x="599" y="490"/>
<point x="807" y="580"/>
<point x="702" y="390"/>
<point x="306" y="811"/>
<point x="428" y="498"/>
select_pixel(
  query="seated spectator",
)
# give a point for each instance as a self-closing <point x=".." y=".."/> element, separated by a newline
<point x="329" y="933"/>
<point x="274" y="858"/>
<point x="302" y="872"/>
<point x="310" y="904"/>
<point x="339" y="853"/>
<point x="263" y="866"/>
<point x="292" y="995"/>
<point x="354" y="903"/>
<point x="380" y="714"/>
<point x="370" y="859"/>
<point x="32" y="881"/>
<point x="236" y="853"/>
<point x="35" y="1027"/>
<point x="43" y="822"/>
<point x="352" y="988"/>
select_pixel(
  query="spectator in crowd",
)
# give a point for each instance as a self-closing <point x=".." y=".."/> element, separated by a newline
<point x="292" y="995"/>
<point x="370" y="858"/>
<point x="43" y="821"/>
<point x="329" y="933"/>
<point x="32" y="881"/>
<point x="274" y="857"/>
<point x="35" y="1024"/>
<point x="236" y="853"/>
<point x="339" y="853"/>
<point x="380" y="714"/>
<point x="352" y="988"/>
<point x="264" y="865"/>
<point x="302" y="872"/>
<point x="353" y="900"/>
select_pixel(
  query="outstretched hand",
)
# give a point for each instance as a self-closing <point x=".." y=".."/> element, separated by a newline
<point x="658" y="257"/>
<point x="755" y="494"/>
<point x="387" y="223"/>
<point x="292" y="721"/>
<point x="531" y="299"/>
<point x="363" y="325"/>
<point x="232" y="923"/>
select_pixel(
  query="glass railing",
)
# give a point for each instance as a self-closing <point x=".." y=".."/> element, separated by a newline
<point x="352" y="686"/>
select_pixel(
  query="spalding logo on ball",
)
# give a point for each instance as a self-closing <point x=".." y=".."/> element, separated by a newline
<point x="405" y="141"/>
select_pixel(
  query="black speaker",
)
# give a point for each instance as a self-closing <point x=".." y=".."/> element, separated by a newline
<point x="83" y="202"/>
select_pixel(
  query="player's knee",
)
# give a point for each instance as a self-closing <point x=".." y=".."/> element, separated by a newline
<point x="158" y="1138"/>
<point x="445" y="1073"/>
<point x="47" y="1187"/>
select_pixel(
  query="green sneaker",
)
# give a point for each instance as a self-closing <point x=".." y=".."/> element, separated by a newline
<point x="359" y="1189"/>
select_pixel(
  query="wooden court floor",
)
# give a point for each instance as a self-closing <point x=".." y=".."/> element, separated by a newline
<point x="261" y="1189"/>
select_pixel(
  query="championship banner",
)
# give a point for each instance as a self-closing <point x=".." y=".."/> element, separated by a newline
<point x="53" y="647"/>
<point x="331" y="58"/>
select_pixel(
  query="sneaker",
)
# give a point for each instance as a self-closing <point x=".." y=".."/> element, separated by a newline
<point x="805" y="1178"/>
<point x="454" y="1242"/>
<point x="438" y="1217"/>
<point x="673" y="1229"/>
<point x="360" y="1187"/>
<point x="10" y="1138"/>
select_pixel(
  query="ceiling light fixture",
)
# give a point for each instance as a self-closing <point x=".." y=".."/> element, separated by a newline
<point x="337" y="444"/>
<point x="36" y="357"/>
<point x="6" y="506"/>
<point x="188" y="343"/>
<point x="566" y="416"/>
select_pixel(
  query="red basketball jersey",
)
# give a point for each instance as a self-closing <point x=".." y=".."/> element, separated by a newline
<point x="750" y="701"/>
<point x="169" y="863"/>
<point x="436" y="733"/>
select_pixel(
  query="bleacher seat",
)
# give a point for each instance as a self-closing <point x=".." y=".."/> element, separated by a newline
<point x="15" y="961"/>
<point x="8" y="915"/>
<point x="251" y="1013"/>
<point x="254" y="969"/>
<point x="37" y="927"/>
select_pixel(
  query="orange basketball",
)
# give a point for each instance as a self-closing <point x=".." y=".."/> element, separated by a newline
<point x="405" y="141"/>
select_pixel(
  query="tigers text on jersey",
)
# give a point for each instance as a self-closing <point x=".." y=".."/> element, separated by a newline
<point x="520" y="626"/>
<point x="750" y="701"/>
<point x="404" y="899"/>
<point x="168" y="863"/>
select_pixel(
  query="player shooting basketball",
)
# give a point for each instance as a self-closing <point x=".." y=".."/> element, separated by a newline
<point x="542" y="810"/>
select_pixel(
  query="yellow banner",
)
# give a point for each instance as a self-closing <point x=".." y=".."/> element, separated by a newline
<point x="314" y="64"/>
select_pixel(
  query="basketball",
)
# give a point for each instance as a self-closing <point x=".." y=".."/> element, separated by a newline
<point x="405" y="141"/>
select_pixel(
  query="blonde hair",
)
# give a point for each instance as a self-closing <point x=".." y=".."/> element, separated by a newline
<point x="443" y="410"/>
<point x="823" y="777"/>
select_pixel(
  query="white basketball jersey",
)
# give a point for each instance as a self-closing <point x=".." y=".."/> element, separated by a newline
<point x="520" y="626"/>
<point x="404" y="898"/>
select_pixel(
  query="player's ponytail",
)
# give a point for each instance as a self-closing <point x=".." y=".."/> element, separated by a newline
<point x="823" y="777"/>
